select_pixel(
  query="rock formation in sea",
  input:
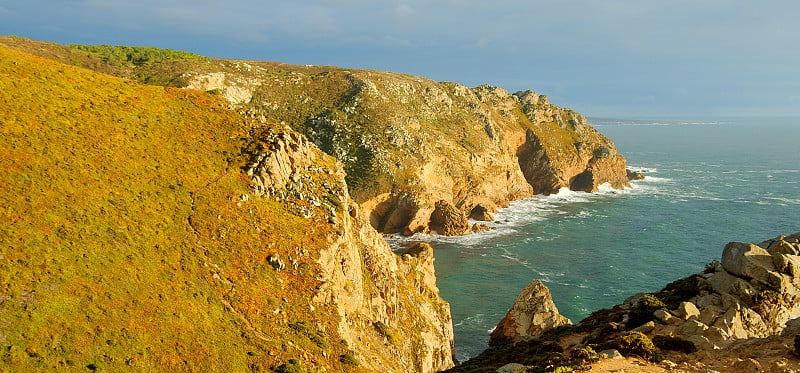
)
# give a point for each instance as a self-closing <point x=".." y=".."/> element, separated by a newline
<point x="740" y="314"/>
<point x="532" y="314"/>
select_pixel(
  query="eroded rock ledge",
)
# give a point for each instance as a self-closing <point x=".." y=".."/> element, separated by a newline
<point x="389" y="310"/>
<point x="411" y="146"/>
<point x="740" y="314"/>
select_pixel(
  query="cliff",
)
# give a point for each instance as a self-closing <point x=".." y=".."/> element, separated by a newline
<point x="407" y="144"/>
<point x="154" y="229"/>
<point x="740" y="314"/>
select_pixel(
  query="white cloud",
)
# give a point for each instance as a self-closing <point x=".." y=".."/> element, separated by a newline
<point x="404" y="14"/>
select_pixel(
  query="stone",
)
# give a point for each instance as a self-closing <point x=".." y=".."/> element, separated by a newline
<point x="751" y="262"/>
<point x="447" y="220"/>
<point x="477" y="228"/>
<point x="701" y="342"/>
<point x="747" y="365"/>
<point x="731" y="324"/>
<point x="532" y="314"/>
<point x="709" y="314"/>
<point x="668" y="364"/>
<point x="691" y="327"/>
<point x="481" y="213"/>
<point x="276" y="262"/>
<point x="664" y="316"/>
<point x="634" y="175"/>
<point x="787" y="263"/>
<point x="645" y="328"/>
<point x="632" y="300"/>
<point x="716" y="335"/>
<point x="512" y="368"/>
<point x="687" y="310"/>
<point x="792" y="328"/>
<point x="782" y="247"/>
<point x="611" y="354"/>
<point x="708" y="300"/>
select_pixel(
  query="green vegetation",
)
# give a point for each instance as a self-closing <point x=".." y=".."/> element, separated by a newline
<point x="137" y="56"/>
<point x="537" y="355"/>
<point x="638" y="344"/>
<point x="384" y="331"/>
<point x="124" y="244"/>
<point x="291" y="366"/>
<point x="642" y="312"/>
<point x="315" y="336"/>
<point x="349" y="359"/>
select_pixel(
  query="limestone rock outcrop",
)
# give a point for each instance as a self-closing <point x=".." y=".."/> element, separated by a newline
<point x="407" y="142"/>
<point x="738" y="314"/>
<point x="532" y="314"/>
<point x="360" y="277"/>
<point x="447" y="220"/>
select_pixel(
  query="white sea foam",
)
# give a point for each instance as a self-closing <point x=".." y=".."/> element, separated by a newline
<point x="642" y="169"/>
<point x="653" y="179"/>
<point x="524" y="211"/>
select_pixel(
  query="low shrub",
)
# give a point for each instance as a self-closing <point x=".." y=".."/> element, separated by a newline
<point x="349" y="359"/>
<point x="642" y="312"/>
<point x="637" y="343"/>
<point x="291" y="366"/>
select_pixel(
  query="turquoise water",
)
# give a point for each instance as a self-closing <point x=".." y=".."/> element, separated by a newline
<point x="708" y="183"/>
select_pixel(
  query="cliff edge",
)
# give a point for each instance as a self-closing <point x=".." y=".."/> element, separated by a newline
<point x="153" y="229"/>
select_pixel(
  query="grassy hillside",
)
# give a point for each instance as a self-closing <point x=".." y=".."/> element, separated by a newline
<point x="125" y="244"/>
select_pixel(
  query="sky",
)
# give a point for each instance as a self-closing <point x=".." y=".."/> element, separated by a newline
<point x="604" y="58"/>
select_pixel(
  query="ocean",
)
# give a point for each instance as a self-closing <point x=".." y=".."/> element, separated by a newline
<point x="707" y="183"/>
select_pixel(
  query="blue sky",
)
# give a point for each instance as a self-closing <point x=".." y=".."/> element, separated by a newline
<point x="610" y="58"/>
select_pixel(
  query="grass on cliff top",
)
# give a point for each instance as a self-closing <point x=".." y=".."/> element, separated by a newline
<point x="124" y="244"/>
<point x="122" y="55"/>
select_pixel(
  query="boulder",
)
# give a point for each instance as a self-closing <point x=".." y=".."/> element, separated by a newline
<point x="731" y="324"/>
<point x="477" y="228"/>
<point x="634" y="175"/>
<point x="786" y="263"/>
<point x="781" y="247"/>
<point x="447" y="220"/>
<point x="691" y="327"/>
<point x="687" y="310"/>
<point x="751" y="262"/>
<point x="532" y="314"/>
<point x="709" y="314"/>
<point x="664" y="316"/>
<point x="611" y="354"/>
<point x="512" y="368"/>
<point x="481" y="213"/>
<point x="701" y="342"/>
<point x="792" y="328"/>
<point x="645" y="328"/>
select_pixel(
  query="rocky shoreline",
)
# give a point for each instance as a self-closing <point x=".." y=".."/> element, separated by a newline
<point x="740" y="314"/>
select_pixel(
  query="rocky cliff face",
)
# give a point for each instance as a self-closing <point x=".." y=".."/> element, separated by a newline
<point x="389" y="308"/>
<point x="740" y="314"/>
<point x="408" y="143"/>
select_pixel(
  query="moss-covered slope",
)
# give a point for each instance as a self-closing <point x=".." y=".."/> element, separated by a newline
<point x="128" y="241"/>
